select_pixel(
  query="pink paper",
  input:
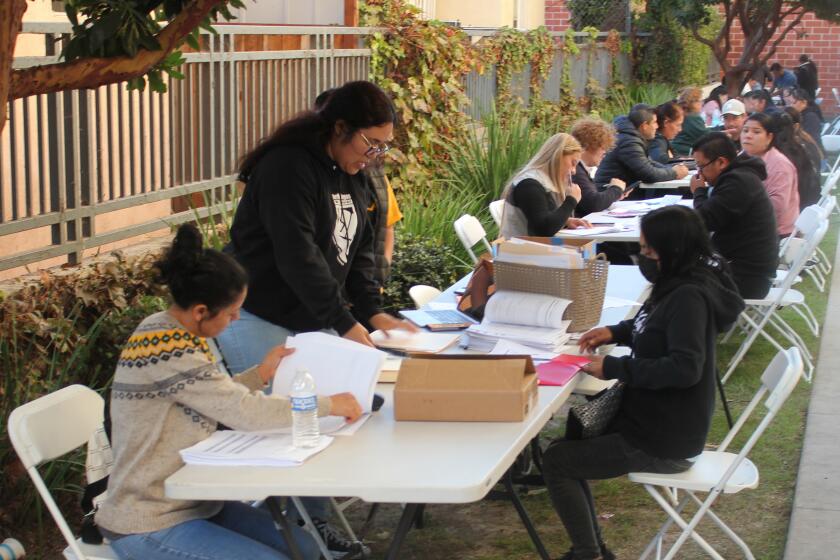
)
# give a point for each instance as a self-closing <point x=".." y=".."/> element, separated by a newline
<point x="556" y="373"/>
<point x="572" y="359"/>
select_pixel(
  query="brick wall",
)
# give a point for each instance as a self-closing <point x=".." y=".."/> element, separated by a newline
<point x="814" y="37"/>
<point x="557" y="15"/>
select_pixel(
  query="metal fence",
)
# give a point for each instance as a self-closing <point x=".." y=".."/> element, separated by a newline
<point x="600" y="14"/>
<point x="69" y="159"/>
<point x="481" y="88"/>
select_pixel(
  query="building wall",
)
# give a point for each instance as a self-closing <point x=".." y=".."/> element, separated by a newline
<point x="820" y="40"/>
<point x="292" y="12"/>
<point x="476" y="13"/>
<point x="557" y="15"/>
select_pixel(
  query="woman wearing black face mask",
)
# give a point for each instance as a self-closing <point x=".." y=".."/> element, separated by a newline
<point x="669" y="393"/>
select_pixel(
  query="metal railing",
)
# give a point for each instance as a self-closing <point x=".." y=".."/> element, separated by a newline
<point x="69" y="159"/>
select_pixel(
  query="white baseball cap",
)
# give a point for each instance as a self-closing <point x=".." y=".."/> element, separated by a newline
<point x="734" y="107"/>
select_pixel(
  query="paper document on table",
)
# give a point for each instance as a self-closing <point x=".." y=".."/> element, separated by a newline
<point x="610" y="301"/>
<point x="422" y="341"/>
<point x="484" y="337"/>
<point x="598" y="230"/>
<point x="667" y="200"/>
<point x="523" y="308"/>
<point x="329" y="426"/>
<point x="337" y="365"/>
<point x="508" y="347"/>
<point x="235" y="448"/>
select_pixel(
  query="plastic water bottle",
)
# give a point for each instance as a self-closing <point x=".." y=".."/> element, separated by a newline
<point x="717" y="119"/>
<point x="11" y="549"/>
<point x="305" y="430"/>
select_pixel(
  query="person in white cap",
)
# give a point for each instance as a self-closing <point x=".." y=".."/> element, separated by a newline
<point x="734" y="116"/>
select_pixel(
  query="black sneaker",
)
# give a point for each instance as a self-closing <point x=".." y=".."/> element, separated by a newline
<point x="606" y="554"/>
<point x="340" y="546"/>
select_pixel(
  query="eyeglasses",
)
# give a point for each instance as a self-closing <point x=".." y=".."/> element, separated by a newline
<point x="373" y="149"/>
<point x="705" y="165"/>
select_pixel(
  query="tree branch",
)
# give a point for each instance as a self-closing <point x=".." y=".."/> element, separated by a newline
<point x="11" y="16"/>
<point x="775" y="44"/>
<point x="86" y="73"/>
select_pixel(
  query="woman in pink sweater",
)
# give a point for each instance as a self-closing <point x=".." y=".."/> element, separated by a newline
<point x="758" y="137"/>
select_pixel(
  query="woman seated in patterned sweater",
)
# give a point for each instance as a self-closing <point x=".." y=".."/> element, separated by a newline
<point x="168" y="394"/>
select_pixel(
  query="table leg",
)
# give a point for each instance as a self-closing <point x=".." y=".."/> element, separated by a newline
<point x="307" y="523"/>
<point x="523" y="515"/>
<point x="409" y="515"/>
<point x="283" y="522"/>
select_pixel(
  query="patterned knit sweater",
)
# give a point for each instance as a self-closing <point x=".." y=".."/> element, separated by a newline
<point x="168" y="394"/>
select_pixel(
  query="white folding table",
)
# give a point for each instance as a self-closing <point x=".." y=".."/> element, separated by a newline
<point x="414" y="463"/>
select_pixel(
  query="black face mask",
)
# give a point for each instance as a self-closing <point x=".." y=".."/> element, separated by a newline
<point x="649" y="268"/>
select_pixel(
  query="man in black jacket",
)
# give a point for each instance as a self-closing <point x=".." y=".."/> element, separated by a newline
<point x="730" y="197"/>
<point x="629" y="159"/>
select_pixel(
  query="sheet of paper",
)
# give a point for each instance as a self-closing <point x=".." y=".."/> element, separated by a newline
<point x="509" y="347"/>
<point x="597" y="230"/>
<point x="350" y="429"/>
<point x="610" y="301"/>
<point x="422" y="341"/>
<point x="236" y="448"/>
<point x="522" y="308"/>
<point x="337" y="365"/>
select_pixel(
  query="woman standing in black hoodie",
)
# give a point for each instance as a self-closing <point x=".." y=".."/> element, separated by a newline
<point x="301" y="232"/>
<point x="669" y="378"/>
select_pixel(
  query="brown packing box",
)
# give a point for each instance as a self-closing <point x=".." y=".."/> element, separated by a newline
<point x="465" y="388"/>
<point x="586" y="247"/>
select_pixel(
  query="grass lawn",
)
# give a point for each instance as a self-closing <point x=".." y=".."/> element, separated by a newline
<point x="491" y="530"/>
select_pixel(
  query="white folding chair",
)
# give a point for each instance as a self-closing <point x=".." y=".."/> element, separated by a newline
<point x="471" y="232"/>
<point x="720" y="471"/>
<point x="48" y="428"/>
<point x="761" y="313"/>
<point x="421" y="294"/>
<point x="497" y="210"/>
<point x="817" y="264"/>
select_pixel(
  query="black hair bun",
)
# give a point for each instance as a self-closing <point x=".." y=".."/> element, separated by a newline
<point x="183" y="256"/>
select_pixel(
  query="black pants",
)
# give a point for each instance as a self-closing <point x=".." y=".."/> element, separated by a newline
<point x="568" y="464"/>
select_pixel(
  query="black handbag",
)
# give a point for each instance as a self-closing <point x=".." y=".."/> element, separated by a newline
<point x="591" y="419"/>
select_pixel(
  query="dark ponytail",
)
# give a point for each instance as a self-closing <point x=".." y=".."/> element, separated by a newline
<point x="358" y="105"/>
<point x="196" y="275"/>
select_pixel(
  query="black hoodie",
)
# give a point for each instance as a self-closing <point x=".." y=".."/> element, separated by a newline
<point x="629" y="160"/>
<point x="669" y="396"/>
<point x="301" y="231"/>
<point x="741" y="218"/>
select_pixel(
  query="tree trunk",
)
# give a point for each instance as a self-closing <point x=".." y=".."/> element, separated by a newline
<point x="11" y="15"/>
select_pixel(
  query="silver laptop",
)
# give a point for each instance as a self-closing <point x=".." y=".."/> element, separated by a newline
<point x="439" y="319"/>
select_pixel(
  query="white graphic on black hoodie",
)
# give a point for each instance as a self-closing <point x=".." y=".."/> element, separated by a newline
<point x="344" y="229"/>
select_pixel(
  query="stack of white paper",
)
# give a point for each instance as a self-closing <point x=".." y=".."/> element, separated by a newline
<point x="535" y="320"/>
<point x="421" y="341"/>
<point x="337" y="365"/>
<point x="234" y="448"/>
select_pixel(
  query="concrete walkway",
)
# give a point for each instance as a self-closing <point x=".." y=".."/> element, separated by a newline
<point x="814" y="532"/>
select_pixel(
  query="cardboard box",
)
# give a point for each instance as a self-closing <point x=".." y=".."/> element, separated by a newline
<point x="466" y="388"/>
<point x="586" y="247"/>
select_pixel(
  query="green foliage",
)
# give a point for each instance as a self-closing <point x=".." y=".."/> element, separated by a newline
<point x="672" y="54"/>
<point x="597" y="14"/>
<point x="111" y="28"/>
<point x="418" y="260"/>
<point x="421" y="64"/>
<point x="621" y="100"/>
<point x="66" y="329"/>
<point x="215" y="228"/>
<point x="511" y="51"/>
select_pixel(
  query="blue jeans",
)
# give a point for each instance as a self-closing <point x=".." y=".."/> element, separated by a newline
<point x="244" y="343"/>
<point x="238" y="531"/>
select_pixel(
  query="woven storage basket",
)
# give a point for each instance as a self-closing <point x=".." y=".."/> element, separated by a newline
<point x="585" y="287"/>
